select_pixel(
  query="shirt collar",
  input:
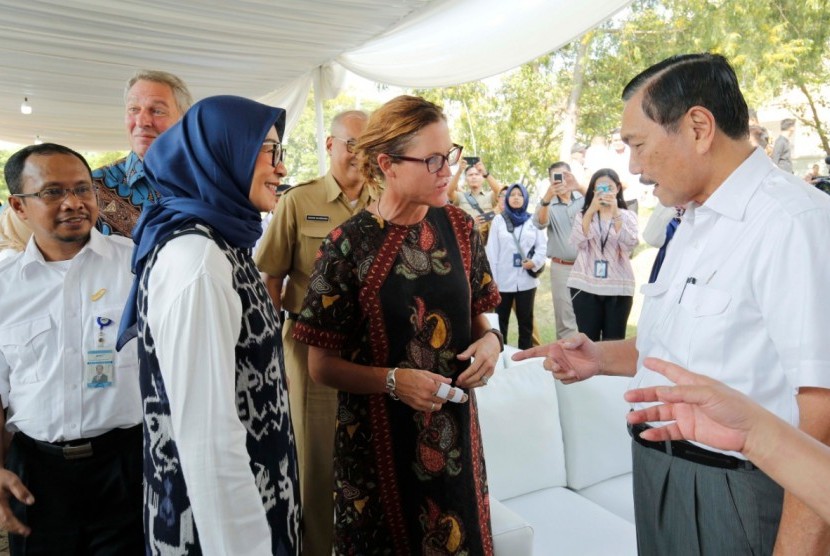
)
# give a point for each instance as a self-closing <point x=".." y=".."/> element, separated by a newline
<point x="133" y="168"/>
<point x="734" y="194"/>
<point x="97" y="244"/>
<point x="333" y="190"/>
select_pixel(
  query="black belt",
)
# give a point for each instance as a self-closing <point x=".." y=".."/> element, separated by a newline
<point x="689" y="452"/>
<point x="83" y="448"/>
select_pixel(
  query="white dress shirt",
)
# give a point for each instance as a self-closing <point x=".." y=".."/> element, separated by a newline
<point x="743" y="293"/>
<point x="48" y="315"/>
<point x="195" y="316"/>
<point x="500" y="249"/>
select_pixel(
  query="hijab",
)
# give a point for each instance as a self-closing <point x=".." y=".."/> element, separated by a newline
<point x="202" y="168"/>
<point x="520" y="215"/>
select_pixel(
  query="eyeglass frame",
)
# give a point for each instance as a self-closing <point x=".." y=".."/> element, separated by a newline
<point x="445" y="158"/>
<point x="275" y="144"/>
<point x="350" y="143"/>
<point x="93" y="190"/>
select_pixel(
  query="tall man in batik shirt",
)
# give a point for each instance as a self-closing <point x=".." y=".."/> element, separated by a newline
<point x="155" y="100"/>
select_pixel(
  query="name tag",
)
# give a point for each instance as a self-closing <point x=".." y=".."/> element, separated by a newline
<point x="316" y="218"/>
<point x="600" y="269"/>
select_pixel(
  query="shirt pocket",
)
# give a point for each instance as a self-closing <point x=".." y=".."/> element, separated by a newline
<point x="313" y="234"/>
<point x="697" y="325"/>
<point x="25" y="348"/>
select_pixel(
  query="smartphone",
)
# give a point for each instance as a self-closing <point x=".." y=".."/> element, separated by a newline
<point x="471" y="160"/>
<point x="558" y="177"/>
<point x="603" y="188"/>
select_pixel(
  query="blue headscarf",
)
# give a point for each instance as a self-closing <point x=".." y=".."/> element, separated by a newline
<point x="520" y="215"/>
<point x="202" y="167"/>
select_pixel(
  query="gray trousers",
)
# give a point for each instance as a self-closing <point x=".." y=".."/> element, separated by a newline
<point x="683" y="508"/>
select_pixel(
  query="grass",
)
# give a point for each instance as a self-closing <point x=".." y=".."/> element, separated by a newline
<point x="641" y="260"/>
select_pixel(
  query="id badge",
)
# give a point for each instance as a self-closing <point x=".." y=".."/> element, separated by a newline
<point x="517" y="260"/>
<point x="600" y="269"/>
<point x="99" y="371"/>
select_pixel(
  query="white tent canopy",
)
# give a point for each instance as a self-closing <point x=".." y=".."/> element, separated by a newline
<point x="71" y="59"/>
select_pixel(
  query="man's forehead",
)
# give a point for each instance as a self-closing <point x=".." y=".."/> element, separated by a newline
<point x="55" y="169"/>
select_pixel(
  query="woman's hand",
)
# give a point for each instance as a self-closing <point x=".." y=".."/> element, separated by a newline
<point x="485" y="353"/>
<point x="418" y="389"/>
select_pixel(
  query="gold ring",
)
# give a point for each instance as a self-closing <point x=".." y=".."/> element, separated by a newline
<point x="432" y="407"/>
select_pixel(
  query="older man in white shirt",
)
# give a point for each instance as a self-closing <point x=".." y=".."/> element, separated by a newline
<point x="72" y="477"/>
<point x="741" y="297"/>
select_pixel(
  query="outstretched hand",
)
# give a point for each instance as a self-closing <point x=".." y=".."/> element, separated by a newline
<point x="701" y="408"/>
<point x="570" y="360"/>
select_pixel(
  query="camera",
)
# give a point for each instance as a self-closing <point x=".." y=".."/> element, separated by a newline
<point x="472" y="160"/>
<point x="558" y="177"/>
<point x="489" y="215"/>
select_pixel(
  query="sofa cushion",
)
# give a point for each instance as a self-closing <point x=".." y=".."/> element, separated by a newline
<point x="512" y="534"/>
<point x="519" y="418"/>
<point x="566" y="523"/>
<point x="597" y="445"/>
<point x="615" y="494"/>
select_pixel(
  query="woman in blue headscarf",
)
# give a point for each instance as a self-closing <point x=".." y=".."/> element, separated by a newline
<point x="220" y="466"/>
<point x="515" y="249"/>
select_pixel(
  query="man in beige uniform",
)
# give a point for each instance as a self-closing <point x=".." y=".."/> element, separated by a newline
<point x="303" y="218"/>
<point x="475" y="176"/>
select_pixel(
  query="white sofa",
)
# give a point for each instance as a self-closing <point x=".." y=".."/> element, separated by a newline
<point x="558" y="463"/>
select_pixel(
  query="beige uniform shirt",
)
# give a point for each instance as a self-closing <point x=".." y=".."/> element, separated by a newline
<point x="304" y="217"/>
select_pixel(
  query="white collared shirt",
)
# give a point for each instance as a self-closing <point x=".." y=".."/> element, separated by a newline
<point x="501" y="247"/>
<point x="755" y="312"/>
<point x="47" y="325"/>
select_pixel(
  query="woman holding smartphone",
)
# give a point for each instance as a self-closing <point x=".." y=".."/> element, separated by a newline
<point x="602" y="279"/>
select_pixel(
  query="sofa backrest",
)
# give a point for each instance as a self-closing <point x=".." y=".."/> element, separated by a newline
<point x="592" y="415"/>
<point x="519" y="416"/>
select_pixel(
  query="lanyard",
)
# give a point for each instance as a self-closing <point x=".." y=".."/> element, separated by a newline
<point x="518" y="247"/>
<point x="603" y="241"/>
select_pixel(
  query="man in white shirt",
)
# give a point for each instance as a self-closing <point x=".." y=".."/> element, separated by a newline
<point x="741" y="297"/>
<point x="72" y="477"/>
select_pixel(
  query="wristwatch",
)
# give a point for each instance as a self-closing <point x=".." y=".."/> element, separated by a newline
<point x="485" y="176"/>
<point x="390" y="383"/>
<point x="544" y="203"/>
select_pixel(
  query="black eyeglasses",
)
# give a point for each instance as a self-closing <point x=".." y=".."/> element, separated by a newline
<point x="55" y="195"/>
<point x="350" y="143"/>
<point x="435" y="162"/>
<point x="277" y="152"/>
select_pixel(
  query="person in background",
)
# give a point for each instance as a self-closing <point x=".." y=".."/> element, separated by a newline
<point x="705" y="410"/>
<point x="220" y="468"/>
<point x="577" y="166"/>
<point x="303" y="219"/>
<point x="476" y="202"/>
<point x="14" y="233"/>
<point x="602" y="279"/>
<point x="72" y="477"/>
<point x="782" y="149"/>
<point x="502" y="200"/>
<point x="384" y="326"/>
<point x="659" y="231"/>
<point x="724" y="304"/>
<point x="619" y="156"/>
<point x="154" y="100"/>
<point x="759" y="137"/>
<point x="555" y="213"/>
<point x="515" y="248"/>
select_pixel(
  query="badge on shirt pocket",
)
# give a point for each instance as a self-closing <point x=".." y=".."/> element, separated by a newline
<point x="600" y="269"/>
<point x="100" y="370"/>
<point x="517" y="260"/>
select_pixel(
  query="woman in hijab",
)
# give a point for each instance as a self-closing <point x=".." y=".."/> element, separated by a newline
<point x="393" y="317"/>
<point x="515" y="249"/>
<point x="220" y="467"/>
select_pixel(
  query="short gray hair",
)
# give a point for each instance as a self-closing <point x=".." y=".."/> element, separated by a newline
<point x="180" y="92"/>
<point x="338" y="119"/>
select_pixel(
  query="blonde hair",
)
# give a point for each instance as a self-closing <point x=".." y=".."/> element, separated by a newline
<point x="390" y="130"/>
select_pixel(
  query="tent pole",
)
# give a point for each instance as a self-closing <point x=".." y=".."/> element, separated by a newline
<point x="318" y="112"/>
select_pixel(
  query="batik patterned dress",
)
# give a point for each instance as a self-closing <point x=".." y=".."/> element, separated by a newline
<point x="262" y="404"/>
<point x="406" y="481"/>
